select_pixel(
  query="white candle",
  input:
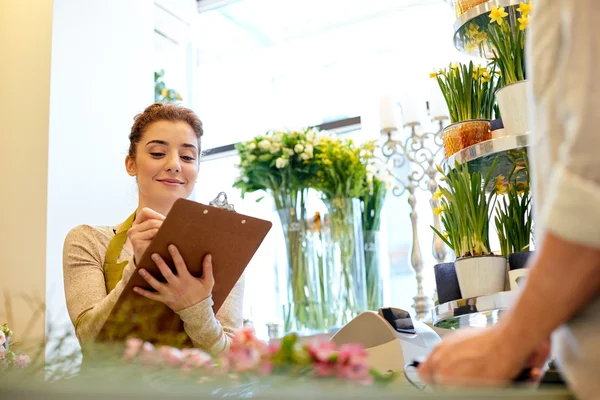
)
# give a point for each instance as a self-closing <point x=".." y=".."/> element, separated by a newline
<point x="411" y="109"/>
<point x="437" y="103"/>
<point x="388" y="112"/>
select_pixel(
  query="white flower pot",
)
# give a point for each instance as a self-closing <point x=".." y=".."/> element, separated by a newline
<point x="480" y="276"/>
<point x="517" y="277"/>
<point x="514" y="108"/>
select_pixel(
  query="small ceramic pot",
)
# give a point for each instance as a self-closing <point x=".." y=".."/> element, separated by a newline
<point x="446" y="282"/>
<point x="480" y="276"/>
<point x="514" y="108"/>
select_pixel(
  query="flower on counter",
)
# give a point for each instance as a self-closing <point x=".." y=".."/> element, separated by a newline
<point x="249" y="356"/>
<point x="10" y="359"/>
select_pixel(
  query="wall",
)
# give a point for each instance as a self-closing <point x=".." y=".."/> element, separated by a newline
<point x="24" y="109"/>
<point x="102" y="76"/>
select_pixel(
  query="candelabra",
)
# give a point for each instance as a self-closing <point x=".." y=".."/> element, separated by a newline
<point x="422" y="151"/>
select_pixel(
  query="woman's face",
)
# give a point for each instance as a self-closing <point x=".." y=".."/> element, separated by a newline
<point x="166" y="163"/>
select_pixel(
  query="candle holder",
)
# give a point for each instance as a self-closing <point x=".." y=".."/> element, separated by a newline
<point x="422" y="151"/>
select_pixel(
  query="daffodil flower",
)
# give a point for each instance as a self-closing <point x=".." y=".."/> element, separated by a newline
<point x="486" y="76"/>
<point x="524" y="9"/>
<point x="437" y="194"/>
<point x="437" y="210"/>
<point x="433" y="74"/>
<point x="523" y="22"/>
<point x="164" y="92"/>
<point x="497" y="15"/>
<point x="470" y="47"/>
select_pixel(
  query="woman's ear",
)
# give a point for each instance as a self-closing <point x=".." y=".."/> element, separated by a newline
<point x="130" y="166"/>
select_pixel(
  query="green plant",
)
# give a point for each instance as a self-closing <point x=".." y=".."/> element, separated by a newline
<point x="161" y="92"/>
<point x="468" y="90"/>
<point x="508" y="41"/>
<point x="465" y="210"/>
<point x="513" y="212"/>
<point x="372" y="203"/>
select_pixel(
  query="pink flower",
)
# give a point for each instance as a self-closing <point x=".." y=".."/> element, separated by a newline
<point x="22" y="361"/>
<point x="265" y="368"/>
<point x="2" y="338"/>
<point x="273" y="349"/>
<point x="195" y="358"/>
<point x="244" y="335"/>
<point x="132" y="348"/>
<point x="3" y="353"/>
<point x="170" y="355"/>
<point x="352" y="354"/>
<point x="324" y="369"/>
<point x="244" y="359"/>
<point x="322" y="351"/>
<point x="148" y="354"/>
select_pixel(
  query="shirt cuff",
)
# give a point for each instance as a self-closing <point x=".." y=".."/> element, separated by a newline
<point x="571" y="210"/>
<point x="198" y="312"/>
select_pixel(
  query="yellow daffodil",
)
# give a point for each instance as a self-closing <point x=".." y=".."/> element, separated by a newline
<point x="521" y="187"/>
<point x="480" y="37"/>
<point x="476" y="74"/>
<point x="454" y="65"/>
<point x="499" y="184"/>
<point x="523" y="22"/>
<point x="485" y="75"/>
<point x="433" y="74"/>
<point x="437" y="210"/>
<point x="524" y="8"/>
<point x="164" y="92"/>
<point x="472" y="29"/>
<point x="470" y="47"/>
<point x="497" y="15"/>
<point x="437" y="194"/>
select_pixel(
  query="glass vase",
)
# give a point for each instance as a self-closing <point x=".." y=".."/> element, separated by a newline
<point x="345" y="295"/>
<point x="373" y="273"/>
<point x="303" y="308"/>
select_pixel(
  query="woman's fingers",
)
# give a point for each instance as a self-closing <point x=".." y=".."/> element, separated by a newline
<point x="207" y="271"/>
<point x="149" y="224"/>
<point x="178" y="261"/>
<point x="148" y="294"/>
<point x="164" y="268"/>
<point x="147" y="213"/>
<point x="145" y="235"/>
<point x="156" y="285"/>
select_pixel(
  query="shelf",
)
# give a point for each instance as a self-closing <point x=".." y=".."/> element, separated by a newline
<point x="480" y="156"/>
<point x="479" y="16"/>
<point x="476" y="312"/>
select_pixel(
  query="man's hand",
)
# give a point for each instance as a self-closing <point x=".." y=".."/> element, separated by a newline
<point x="479" y="357"/>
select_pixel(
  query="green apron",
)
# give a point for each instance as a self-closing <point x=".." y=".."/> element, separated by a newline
<point x="113" y="270"/>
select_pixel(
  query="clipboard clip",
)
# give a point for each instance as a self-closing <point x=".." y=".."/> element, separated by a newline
<point x="221" y="202"/>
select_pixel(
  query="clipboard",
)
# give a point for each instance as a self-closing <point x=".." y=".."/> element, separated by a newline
<point x="196" y="229"/>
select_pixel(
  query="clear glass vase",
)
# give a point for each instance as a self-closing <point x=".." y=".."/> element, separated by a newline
<point x="303" y="308"/>
<point x="373" y="273"/>
<point x="345" y="294"/>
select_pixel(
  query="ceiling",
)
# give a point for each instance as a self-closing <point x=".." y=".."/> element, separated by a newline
<point x="248" y="25"/>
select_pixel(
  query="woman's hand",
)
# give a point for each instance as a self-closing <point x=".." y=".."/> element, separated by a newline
<point x="182" y="290"/>
<point x="143" y="230"/>
<point x="479" y="357"/>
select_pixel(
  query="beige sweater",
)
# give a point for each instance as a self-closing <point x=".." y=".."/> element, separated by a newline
<point x="89" y="305"/>
<point x="564" y="55"/>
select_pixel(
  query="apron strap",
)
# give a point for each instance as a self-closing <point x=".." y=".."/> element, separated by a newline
<point x="113" y="251"/>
